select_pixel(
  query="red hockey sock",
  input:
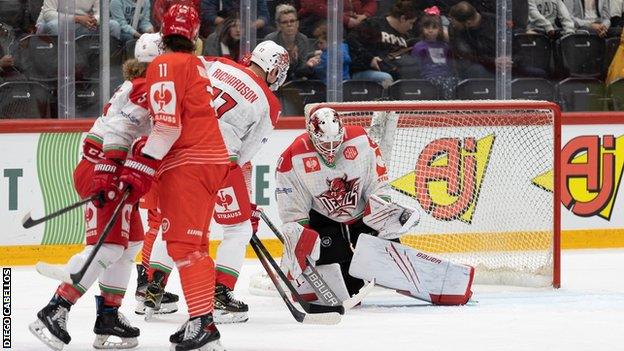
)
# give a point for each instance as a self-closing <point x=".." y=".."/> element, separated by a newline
<point x="150" y="275"/>
<point x="197" y="275"/>
<point x="112" y="299"/>
<point x="148" y="243"/>
<point x="69" y="292"/>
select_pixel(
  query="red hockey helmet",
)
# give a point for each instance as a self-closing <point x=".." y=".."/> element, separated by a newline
<point x="182" y="20"/>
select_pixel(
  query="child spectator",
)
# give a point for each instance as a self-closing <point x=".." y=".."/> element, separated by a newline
<point x="435" y="54"/>
<point x="318" y="62"/>
<point x="544" y="15"/>
<point x="225" y="42"/>
<point x="123" y="12"/>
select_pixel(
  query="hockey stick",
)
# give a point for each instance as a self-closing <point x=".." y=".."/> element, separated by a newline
<point x="308" y="307"/>
<point x="301" y="317"/>
<point x="28" y="221"/>
<point x="314" y="278"/>
<point x="57" y="273"/>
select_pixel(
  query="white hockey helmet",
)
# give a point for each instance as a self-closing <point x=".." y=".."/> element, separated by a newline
<point x="326" y="133"/>
<point x="147" y="47"/>
<point x="270" y="56"/>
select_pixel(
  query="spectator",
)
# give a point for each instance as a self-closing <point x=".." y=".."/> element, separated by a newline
<point x="317" y="64"/>
<point x="15" y="14"/>
<point x="87" y="18"/>
<point x="544" y="16"/>
<point x="215" y="12"/>
<point x="314" y="12"/>
<point x="8" y="68"/>
<point x="376" y="44"/>
<point x="288" y="37"/>
<point x="435" y="55"/>
<point x="122" y="12"/>
<point x="226" y="41"/>
<point x="616" y="13"/>
<point x="593" y="16"/>
<point x="473" y="41"/>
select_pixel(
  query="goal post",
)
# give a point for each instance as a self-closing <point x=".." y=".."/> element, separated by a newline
<point x="484" y="174"/>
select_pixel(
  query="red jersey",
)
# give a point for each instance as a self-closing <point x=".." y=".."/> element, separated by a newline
<point x="185" y="128"/>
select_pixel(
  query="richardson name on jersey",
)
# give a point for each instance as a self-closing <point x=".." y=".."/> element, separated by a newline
<point x="236" y="83"/>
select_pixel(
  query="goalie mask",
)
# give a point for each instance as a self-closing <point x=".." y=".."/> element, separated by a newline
<point x="326" y="133"/>
<point x="270" y="56"/>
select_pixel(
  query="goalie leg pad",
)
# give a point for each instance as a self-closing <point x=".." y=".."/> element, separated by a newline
<point x="332" y="275"/>
<point x="403" y="268"/>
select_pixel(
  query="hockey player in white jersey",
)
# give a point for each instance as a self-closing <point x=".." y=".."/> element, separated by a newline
<point x="332" y="190"/>
<point x="248" y="111"/>
<point x="124" y="119"/>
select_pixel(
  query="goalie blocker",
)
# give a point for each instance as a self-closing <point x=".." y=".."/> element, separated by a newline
<point x="411" y="272"/>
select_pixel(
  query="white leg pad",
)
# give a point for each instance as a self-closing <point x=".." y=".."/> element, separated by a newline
<point x="410" y="271"/>
<point x="333" y="277"/>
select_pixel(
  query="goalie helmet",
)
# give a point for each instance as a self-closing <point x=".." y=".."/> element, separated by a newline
<point x="182" y="20"/>
<point x="326" y="133"/>
<point x="148" y="47"/>
<point x="270" y="56"/>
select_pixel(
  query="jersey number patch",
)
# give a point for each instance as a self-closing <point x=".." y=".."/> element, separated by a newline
<point x="228" y="101"/>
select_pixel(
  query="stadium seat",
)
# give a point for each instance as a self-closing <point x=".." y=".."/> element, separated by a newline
<point x="532" y="89"/>
<point x="24" y="100"/>
<point x="581" y="55"/>
<point x="413" y="89"/>
<point x="311" y="91"/>
<point x="88" y="57"/>
<point x="361" y="90"/>
<point x="88" y="99"/>
<point x="582" y="94"/>
<point x="616" y="92"/>
<point x="291" y="101"/>
<point x="611" y="46"/>
<point x="476" y="89"/>
<point x="532" y="53"/>
<point x="38" y="55"/>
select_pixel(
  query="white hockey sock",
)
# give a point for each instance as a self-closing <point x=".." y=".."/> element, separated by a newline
<point x="115" y="278"/>
<point x="105" y="257"/>
<point x="231" y="251"/>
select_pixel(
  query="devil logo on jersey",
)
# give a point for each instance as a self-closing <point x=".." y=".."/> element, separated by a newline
<point x="341" y="197"/>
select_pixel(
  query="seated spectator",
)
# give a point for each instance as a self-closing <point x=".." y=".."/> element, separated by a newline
<point x="226" y="41"/>
<point x="87" y="18"/>
<point x="15" y="15"/>
<point x="314" y="12"/>
<point x="288" y="36"/>
<point x="544" y="16"/>
<point x="434" y="54"/>
<point x="122" y="12"/>
<point x="377" y="42"/>
<point x="317" y="64"/>
<point x="593" y="16"/>
<point x="617" y="7"/>
<point x="473" y="41"/>
<point x="215" y="12"/>
<point x="8" y="67"/>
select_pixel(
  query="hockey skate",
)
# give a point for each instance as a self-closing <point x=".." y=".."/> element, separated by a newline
<point x="168" y="301"/>
<point x="51" y="324"/>
<point x="200" y="334"/>
<point x="227" y="309"/>
<point x="111" y="322"/>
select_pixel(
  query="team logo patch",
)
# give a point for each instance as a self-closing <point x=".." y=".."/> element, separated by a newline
<point x="164" y="225"/>
<point x="350" y="152"/>
<point x="226" y="205"/>
<point x="311" y="164"/>
<point x="125" y="220"/>
<point x="341" y="197"/>
<point x="163" y="99"/>
<point x="91" y="219"/>
<point x="326" y="241"/>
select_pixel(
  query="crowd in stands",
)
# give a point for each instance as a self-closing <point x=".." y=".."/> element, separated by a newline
<point x="441" y="45"/>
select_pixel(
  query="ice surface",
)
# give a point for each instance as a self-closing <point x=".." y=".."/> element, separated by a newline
<point x="587" y="313"/>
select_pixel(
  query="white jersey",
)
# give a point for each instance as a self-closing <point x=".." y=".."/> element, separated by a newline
<point x="305" y="182"/>
<point x="125" y="117"/>
<point x="246" y="108"/>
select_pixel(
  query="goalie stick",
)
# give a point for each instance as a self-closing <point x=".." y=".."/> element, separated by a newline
<point x="331" y="314"/>
<point x="54" y="272"/>
<point x="28" y="221"/>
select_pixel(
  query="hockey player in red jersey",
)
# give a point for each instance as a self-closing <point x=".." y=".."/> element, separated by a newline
<point x="248" y="111"/>
<point x="125" y="117"/>
<point x="186" y="153"/>
<point x="331" y="190"/>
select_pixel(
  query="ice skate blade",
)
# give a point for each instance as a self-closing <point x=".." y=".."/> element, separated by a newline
<point x="149" y="313"/>
<point x="101" y="342"/>
<point x="165" y="308"/>
<point x="211" y="346"/>
<point x="37" y="329"/>
<point x="226" y="317"/>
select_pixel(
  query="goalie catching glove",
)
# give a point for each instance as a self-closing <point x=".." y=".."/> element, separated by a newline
<point x="300" y="242"/>
<point x="139" y="172"/>
<point x="391" y="220"/>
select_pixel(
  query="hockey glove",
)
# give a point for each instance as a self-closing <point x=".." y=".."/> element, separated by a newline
<point x="389" y="219"/>
<point x="255" y="218"/>
<point x="106" y="180"/>
<point x="138" y="172"/>
<point x="299" y="242"/>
